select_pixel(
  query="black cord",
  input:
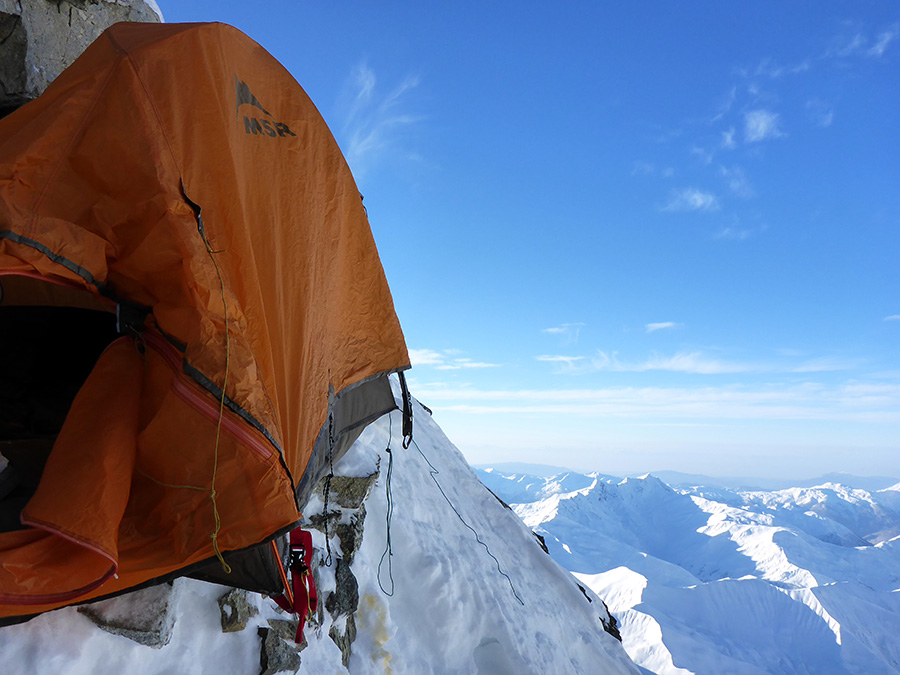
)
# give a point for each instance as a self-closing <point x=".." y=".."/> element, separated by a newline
<point x="328" y="560"/>
<point x="388" y="550"/>
<point x="434" y="472"/>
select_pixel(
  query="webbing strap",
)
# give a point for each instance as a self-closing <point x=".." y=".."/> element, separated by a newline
<point x="303" y="586"/>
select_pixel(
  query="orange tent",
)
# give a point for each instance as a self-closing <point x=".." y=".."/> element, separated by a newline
<point x="176" y="222"/>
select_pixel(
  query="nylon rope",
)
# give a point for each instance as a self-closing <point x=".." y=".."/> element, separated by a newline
<point x="434" y="472"/>
<point x="212" y="491"/>
<point x="388" y="549"/>
<point x="214" y="535"/>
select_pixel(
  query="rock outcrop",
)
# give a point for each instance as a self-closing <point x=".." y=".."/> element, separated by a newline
<point x="41" y="38"/>
<point x="146" y="616"/>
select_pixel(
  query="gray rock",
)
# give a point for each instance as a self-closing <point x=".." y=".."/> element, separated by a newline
<point x="235" y="610"/>
<point x="145" y="616"/>
<point x="351" y="534"/>
<point x="346" y="491"/>
<point x="276" y="655"/>
<point x="325" y="523"/>
<point x="344" y="638"/>
<point x="41" y="38"/>
<point x="345" y="598"/>
<point x="287" y="631"/>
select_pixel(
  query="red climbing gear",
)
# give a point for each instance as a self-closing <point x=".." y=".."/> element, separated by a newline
<point x="300" y="595"/>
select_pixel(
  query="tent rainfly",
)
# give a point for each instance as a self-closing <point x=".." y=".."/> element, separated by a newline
<point x="193" y="317"/>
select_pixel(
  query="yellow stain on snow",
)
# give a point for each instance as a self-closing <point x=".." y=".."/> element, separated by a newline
<point x="373" y="620"/>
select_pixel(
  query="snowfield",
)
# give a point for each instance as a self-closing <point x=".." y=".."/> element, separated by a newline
<point x="721" y="580"/>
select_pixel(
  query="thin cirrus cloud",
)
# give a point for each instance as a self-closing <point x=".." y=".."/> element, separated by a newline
<point x="771" y="69"/>
<point x="892" y="317"/>
<point x="884" y="39"/>
<point x="447" y="359"/>
<point x="761" y="125"/>
<point x="662" y="325"/>
<point x="691" y="199"/>
<point x="859" y="43"/>
<point x="820" y="112"/>
<point x="373" y="121"/>
<point x="683" y="362"/>
<point x="737" y="181"/>
<point x="826" y="364"/>
<point x="728" y="141"/>
<point x="692" y="363"/>
<point x="734" y="233"/>
<point x="862" y="402"/>
<point x="686" y="362"/>
<point x="568" y="363"/>
<point x="568" y="332"/>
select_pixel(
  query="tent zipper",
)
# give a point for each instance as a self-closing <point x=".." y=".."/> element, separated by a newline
<point x="200" y="399"/>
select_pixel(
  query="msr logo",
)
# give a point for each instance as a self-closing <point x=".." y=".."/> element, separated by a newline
<point x="255" y="125"/>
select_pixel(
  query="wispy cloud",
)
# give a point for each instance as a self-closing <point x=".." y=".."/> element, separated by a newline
<point x="728" y="141"/>
<point x="691" y="199"/>
<point x="663" y="325"/>
<point x="695" y="363"/>
<point x="892" y="317"/>
<point x="373" y="121"/>
<point x="859" y="43"/>
<point x="446" y="359"/>
<point x="770" y="68"/>
<point x="734" y="233"/>
<point x="687" y="362"/>
<point x="884" y="39"/>
<point x="857" y="402"/>
<point x="821" y="113"/>
<point x="460" y="363"/>
<point x="852" y="45"/>
<point x="699" y="363"/>
<point x="425" y="357"/>
<point x="569" y="332"/>
<point x="761" y="125"/>
<point x="725" y="104"/>
<point x="704" y="155"/>
<point x="737" y="181"/>
<point x="740" y="230"/>
<point x="826" y="364"/>
<point x="568" y="361"/>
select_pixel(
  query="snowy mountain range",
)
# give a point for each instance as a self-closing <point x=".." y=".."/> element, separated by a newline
<point x="716" y="579"/>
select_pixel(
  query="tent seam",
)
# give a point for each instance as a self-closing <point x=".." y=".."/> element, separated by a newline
<point x="55" y="530"/>
<point x="53" y="598"/>
<point x="159" y="123"/>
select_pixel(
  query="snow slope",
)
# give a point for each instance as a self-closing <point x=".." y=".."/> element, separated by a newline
<point x="713" y="580"/>
<point x="457" y="606"/>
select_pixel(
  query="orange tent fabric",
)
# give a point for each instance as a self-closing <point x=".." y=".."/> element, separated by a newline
<point x="179" y="175"/>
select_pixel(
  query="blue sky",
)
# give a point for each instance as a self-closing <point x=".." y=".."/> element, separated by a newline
<point x="627" y="236"/>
